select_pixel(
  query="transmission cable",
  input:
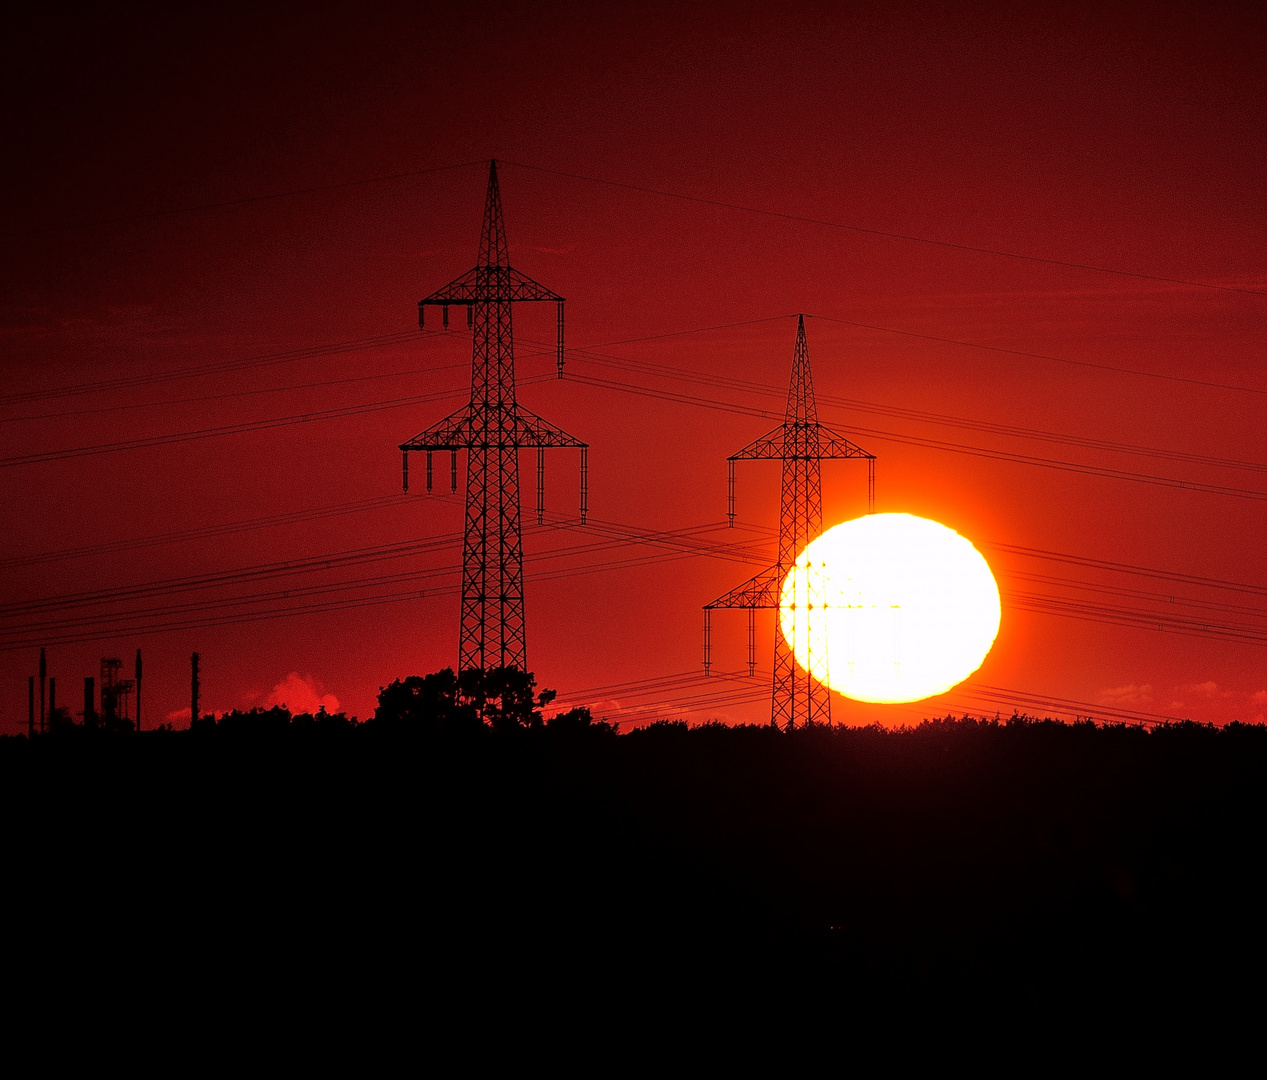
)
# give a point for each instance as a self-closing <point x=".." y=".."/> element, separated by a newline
<point x="785" y="216"/>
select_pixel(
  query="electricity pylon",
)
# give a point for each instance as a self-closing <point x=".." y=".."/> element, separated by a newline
<point x="493" y="428"/>
<point x="801" y="443"/>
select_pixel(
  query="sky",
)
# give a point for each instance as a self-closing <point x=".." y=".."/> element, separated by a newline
<point x="1028" y="240"/>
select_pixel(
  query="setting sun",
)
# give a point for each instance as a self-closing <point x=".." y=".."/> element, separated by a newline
<point x="890" y="608"/>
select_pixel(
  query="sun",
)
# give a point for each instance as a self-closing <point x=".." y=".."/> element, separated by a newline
<point x="890" y="608"/>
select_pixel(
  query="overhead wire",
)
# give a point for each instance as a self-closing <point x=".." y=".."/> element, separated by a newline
<point x="151" y="441"/>
<point x="852" y="404"/>
<point x="677" y="547"/>
<point x="679" y="544"/>
<point x="646" y="190"/>
<point x="246" y="200"/>
<point x="1172" y="599"/>
<point x="230" y="395"/>
<point x="938" y="444"/>
<point x="950" y="244"/>
<point x="1127" y="568"/>
<point x="665" y="371"/>
<point x="204" y="532"/>
<point x="911" y="440"/>
<point x="1093" y="444"/>
<point x="1045" y="356"/>
<point x="218" y="367"/>
<point x="687" y="688"/>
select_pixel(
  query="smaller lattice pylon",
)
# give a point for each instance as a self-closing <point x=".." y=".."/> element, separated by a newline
<point x="800" y="443"/>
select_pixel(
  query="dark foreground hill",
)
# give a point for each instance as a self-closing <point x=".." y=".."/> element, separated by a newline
<point x="1020" y="861"/>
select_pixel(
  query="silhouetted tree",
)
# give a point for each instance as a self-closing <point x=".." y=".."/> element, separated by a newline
<point x="322" y="721"/>
<point x="272" y="721"/>
<point x="427" y="703"/>
<point x="505" y="698"/>
<point x="579" y="719"/>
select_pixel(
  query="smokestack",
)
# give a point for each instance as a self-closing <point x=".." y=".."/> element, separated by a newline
<point x="138" y="690"/>
<point x="193" y="690"/>
<point x="90" y="702"/>
<point x="30" y="706"/>
<point x="43" y="683"/>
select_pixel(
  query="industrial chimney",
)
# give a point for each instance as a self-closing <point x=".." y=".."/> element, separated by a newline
<point x="193" y="690"/>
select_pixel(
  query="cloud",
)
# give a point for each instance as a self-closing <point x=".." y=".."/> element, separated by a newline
<point x="1259" y="698"/>
<point x="1210" y="689"/>
<point x="1126" y="695"/>
<point x="301" y="694"/>
<point x="178" y="714"/>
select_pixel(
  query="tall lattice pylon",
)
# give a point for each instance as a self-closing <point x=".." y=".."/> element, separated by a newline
<point x="800" y="443"/>
<point x="493" y="428"/>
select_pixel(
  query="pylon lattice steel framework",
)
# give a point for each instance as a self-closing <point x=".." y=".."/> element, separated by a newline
<point x="493" y="428"/>
<point x="800" y="443"/>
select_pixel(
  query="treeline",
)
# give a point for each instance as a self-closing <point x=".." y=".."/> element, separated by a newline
<point x="442" y="704"/>
<point x="505" y="701"/>
<point x="466" y="828"/>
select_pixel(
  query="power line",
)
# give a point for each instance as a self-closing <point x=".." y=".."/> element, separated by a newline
<point x="218" y="367"/>
<point x="677" y="544"/>
<point x="681" y="541"/>
<point x="1173" y="600"/>
<point x="782" y="215"/>
<point x="785" y="216"/>
<point x="766" y="390"/>
<point x="1128" y="568"/>
<point x="683" y="333"/>
<point x="1138" y="619"/>
<point x="233" y="395"/>
<point x="233" y="429"/>
<point x="1044" y="356"/>
<point x="674" y="544"/>
<point x="246" y="200"/>
<point x="937" y="444"/>
<point x="227" y="528"/>
<point x="686" y="689"/>
<point x="65" y="630"/>
<point x="665" y="371"/>
<point x="1082" y="708"/>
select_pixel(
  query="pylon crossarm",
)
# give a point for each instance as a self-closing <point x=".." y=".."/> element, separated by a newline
<point x="832" y="445"/>
<point x="451" y="433"/>
<point x="489" y="284"/>
<point x="763" y="590"/>
<point x="522" y="287"/>
<point x="462" y="290"/>
<point x="532" y="430"/>
<point x="770" y="445"/>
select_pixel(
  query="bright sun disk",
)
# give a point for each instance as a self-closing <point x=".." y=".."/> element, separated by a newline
<point x="890" y="608"/>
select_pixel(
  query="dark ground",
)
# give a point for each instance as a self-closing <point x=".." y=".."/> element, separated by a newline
<point x="1017" y="864"/>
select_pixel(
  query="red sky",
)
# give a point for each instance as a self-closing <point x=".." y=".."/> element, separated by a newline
<point x="1131" y="141"/>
